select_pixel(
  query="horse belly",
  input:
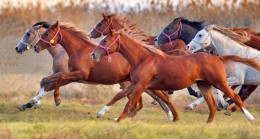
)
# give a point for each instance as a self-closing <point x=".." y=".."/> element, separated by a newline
<point x="170" y="83"/>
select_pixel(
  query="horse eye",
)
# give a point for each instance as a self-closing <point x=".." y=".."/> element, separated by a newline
<point x="100" y="24"/>
<point x="28" y="34"/>
<point x="105" y="41"/>
<point x="46" y="34"/>
<point x="167" y="28"/>
<point x="200" y="35"/>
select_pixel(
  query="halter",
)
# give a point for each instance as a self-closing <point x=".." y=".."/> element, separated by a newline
<point x="107" y="48"/>
<point x="52" y="40"/>
<point x="178" y="29"/>
<point x="201" y="44"/>
<point x="101" y="32"/>
<point x="28" y="46"/>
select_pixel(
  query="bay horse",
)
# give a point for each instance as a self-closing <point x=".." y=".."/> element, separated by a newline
<point x="227" y="42"/>
<point x="200" y="68"/>
<point x="181" y="28"/>
<point x="82" y="69"/>
<point x="58" y="54"/>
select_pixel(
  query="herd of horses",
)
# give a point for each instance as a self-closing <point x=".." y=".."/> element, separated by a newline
<point x="184" y="53"/>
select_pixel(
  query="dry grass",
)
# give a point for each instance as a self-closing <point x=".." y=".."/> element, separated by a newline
<point x="20" y="74"/>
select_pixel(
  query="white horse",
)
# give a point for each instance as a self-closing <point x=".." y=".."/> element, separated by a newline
<point x="227" y="42"/>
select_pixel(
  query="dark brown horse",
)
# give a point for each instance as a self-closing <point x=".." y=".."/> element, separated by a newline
<point x="82" y="68"/>
<point x="181" y="28"/>
<point x="200" y="68"/>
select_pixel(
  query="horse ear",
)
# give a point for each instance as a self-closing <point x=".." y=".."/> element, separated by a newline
<point x="209" y="27"/>
<point x="104" y="15"/>
<point x="56" y="24"/>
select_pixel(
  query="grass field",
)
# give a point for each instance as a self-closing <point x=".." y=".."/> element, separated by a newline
<point x="77" y="120"/>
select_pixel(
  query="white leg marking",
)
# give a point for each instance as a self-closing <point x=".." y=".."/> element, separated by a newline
<point x="221" y="99"/>
<point x="195" y="103"/>
<point x="102" y="112"/>
<point x="40" y="95"/>
<point x="248" y="115"/>
<point x="169" y="115"/>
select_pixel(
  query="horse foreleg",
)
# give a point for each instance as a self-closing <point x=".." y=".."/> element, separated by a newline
<point x="206" y="90"/>
<point x="165" y="98"/>
<point x="162" y="104"/>
<point x="35" y="101"/>
<point x="118" y="96"/>
<point x="195" y="103"/>
<point x="65" y="78"/>
<point x="134" y="98"/>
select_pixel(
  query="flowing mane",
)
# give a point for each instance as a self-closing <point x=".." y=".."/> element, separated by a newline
<point x="139" y="36"/>
<point x="233" y="35"/>
<point x="246" y="31"/>
<point x="122" y="20"/>
<point x="199" y="25"/>
<point x="79" y="33"/>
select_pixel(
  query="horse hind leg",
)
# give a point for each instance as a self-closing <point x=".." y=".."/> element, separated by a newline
<point x="206" y="90"/>
<point x="233" y="96"/>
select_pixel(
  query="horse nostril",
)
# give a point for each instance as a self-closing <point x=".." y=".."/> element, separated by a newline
<point x="188" y="46"/>
<point x="16" y="48"/>
<point x="155" y="39"/>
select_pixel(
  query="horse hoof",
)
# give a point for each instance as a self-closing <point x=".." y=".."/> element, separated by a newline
<point x="228" y="113"/>
<point x="154" y="102"/>
<point x="21" y="108"/>
<point x="188" y="108"/>
<point x="100" y="115"/>
<point x="36" y="106"/>
<point x="57" y="103"/>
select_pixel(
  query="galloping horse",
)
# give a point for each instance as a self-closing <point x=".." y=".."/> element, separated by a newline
<point x="115" y="21"/>
<point x="181" y="28"/>
<point x="184" y="71"/>
<point x="83" y="69"/>
<point x="59" y="56"/>
<point x="227" y="42"/>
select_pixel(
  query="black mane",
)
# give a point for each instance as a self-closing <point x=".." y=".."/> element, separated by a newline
<point x="43" y="23"/>
<point x="199" y="25"/>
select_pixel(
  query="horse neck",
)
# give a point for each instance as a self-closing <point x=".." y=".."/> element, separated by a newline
<point x="188" y="33"/>
<point x="132" y="51"/>
<point x="55" y="51"/>
<point x="225" y="45"/>
<point x="73" y="44"/>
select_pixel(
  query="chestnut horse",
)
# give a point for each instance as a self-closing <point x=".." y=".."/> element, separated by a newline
<point x="181" y="28"/>
<point x="207" y="70"/>
<point x="60" y="62"/>
<point x="82" y="68"/>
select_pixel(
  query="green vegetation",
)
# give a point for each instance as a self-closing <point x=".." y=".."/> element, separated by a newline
<point x="77" y="120"/>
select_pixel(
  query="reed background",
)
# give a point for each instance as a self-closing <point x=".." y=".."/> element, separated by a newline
<point x="20" y="74"/>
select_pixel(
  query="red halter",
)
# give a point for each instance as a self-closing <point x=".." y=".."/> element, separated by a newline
<point x="101" y="32"/>
<point x="107" y="48"/>
<point x="169" y="36"/>
<point x="52" y="40"/>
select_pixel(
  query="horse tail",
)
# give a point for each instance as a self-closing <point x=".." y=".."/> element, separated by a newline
<point x="248" y="61"/>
